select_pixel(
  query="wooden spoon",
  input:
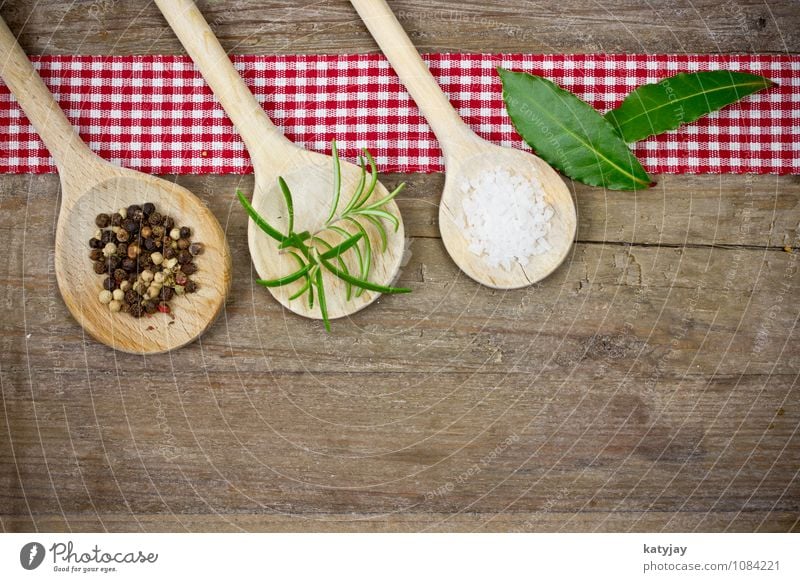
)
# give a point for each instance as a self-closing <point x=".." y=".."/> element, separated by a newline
<point x="309" y="175"/>
<point x="466" y="156"/>
<point x="89" y="186"/>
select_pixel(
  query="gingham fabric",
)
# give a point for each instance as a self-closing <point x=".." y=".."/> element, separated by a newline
<point x="155" y="113"/>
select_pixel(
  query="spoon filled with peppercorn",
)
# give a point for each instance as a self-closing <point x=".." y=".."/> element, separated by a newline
<point x="141" y="263"/>
<point x="306" y="173"/>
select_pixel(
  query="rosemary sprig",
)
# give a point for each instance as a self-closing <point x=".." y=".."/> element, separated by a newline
<point x="313" y="253"/>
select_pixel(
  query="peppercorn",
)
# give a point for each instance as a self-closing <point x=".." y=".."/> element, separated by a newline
<point x="131" y="297"/>
<point x="133" y="251"/>
<point x="184" y="257"/>
<point x="102" y="220"/>
<point x="107" y="236"/>
<point x="168" y="223"/>
<point x="150" y="244"/>
<point x="146" y="232"/>
<point x="158" y="232"/>
<point x="183" y="244"/>
<point x="122" y="235"/>
<point x="149" y="306"/>
<point x="133" y="208"/>
<point x="130" y="225"/>
<point x="116" y="219"/>
<point x="136" y="310"/>
<point x="167" y="293"/>
<point x="96" y="243"/>
<point x="190" y="287"/>
<point x="129" y="265"/>
<point x="196" y="249"/>
<point x="163" y="307"/>
<point x="109" y="283"/>
<point x="155" y="219"/>
<point x="112" y="262"/>
<point x="96" y="254"/>
<point x="120" y="275"/>
<point x="122" y="250"/>
<point x="169" y="253"/>
<point x="181" y="278"/>
<point x="99" y="267"/>
<point x="189" y="268"/>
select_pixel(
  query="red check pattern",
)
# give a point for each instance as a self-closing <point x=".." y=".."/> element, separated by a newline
<point x="155" y="113"/>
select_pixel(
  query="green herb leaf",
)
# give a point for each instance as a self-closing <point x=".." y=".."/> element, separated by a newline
<point x="260" y="222"/>
<point x="569" y="134"/>
<point x="323" y="306"/>
<point x="339" y="249"/>
<point x="287" y="196"/>
<point x="361" y="283"/>
<point x="285" y="280"/>
<point x="659" y="107"/>
<point x="337" y="180"/>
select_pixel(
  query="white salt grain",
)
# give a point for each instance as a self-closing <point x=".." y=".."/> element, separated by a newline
<point x="507" y="218"/>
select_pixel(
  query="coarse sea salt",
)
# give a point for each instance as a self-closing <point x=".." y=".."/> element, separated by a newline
<point x="506" y="217"/>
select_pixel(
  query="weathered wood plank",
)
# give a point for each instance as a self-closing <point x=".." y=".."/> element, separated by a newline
<point x="331" y="26"/>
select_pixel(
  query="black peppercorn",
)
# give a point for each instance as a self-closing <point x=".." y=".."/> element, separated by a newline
<point x="96" y="254"/>
<point x="131" y="297"/>
<point x="130" y="225"/>
<point x="155" y="219"/>
<point x="96" y="243"/>
<point x="183" y="244"/>
<point x="129" y="265"/>
<point x="109" y="283"/>
<point x="136" y="310"/>
<point x="138" y="216"/>
<point x="122" y="250"/>
<point x="190" y="287"/>
<point x="189" y="268"/>
<point x="133" y="208"/>
<point x="148" y="208"/>
<point x="184" y="257"/>
<point x="149" y="306"/>
<point x="106" y="237"/>
<point x="122" y="235"/>
<point x="167" y="293"/>
<point x="168" y="223"/>
<point x="170" y="253"/>
<point x="112" y="262"/>
<point x="158" y="232"/>
<point x="196" y="248"/>
<point x="146" y="231"/>
<point x="120" y="275"/>
<point x="150" y="244"/>
<point x="186" y="232"/>
<point x="102" y="220"/>
<point x="99" y="267"/>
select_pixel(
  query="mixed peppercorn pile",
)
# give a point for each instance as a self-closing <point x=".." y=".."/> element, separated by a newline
<point x="146" y="258"/>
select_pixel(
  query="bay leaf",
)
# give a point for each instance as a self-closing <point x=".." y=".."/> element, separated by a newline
<point x="683" y="98"/>
<point x="570" y="134"/>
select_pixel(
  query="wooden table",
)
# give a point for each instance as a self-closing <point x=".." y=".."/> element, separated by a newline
<point x="650" y="384"/>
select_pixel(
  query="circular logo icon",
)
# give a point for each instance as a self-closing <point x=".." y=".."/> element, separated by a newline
<point x="31" y="555"/>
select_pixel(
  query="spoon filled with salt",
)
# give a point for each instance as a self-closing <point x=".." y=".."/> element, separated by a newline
<point x="90" y="185"/>
<point x="308" y="175"/>
<point x="506" y="217"/>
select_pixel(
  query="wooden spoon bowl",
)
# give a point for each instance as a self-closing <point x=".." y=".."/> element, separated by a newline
<point x="80" y="286"/>
<point x="89" y="186"/>
<point x="488" y="157"/>
<point x="309" y="175"/>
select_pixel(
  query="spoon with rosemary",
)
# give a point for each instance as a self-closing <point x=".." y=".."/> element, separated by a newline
<point x="467" y="156"/>
<point x="90" y="185"/>
<point x="303" y="232"/>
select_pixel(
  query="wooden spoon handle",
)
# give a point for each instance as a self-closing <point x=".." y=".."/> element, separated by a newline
<point x="404" y="57"/>
<point x="258" y="132"/>
<point x="58" y="134"/>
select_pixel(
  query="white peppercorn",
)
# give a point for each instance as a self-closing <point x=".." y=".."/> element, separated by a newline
<point x="115" y="305"/>
<point x="118" y="294"/>
<point x="105" y="296"/>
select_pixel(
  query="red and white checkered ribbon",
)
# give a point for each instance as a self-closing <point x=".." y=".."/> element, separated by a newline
<point x="156" y="114"/>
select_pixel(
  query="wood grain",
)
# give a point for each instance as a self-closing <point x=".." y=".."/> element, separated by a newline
<point x="649" y="384"/>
